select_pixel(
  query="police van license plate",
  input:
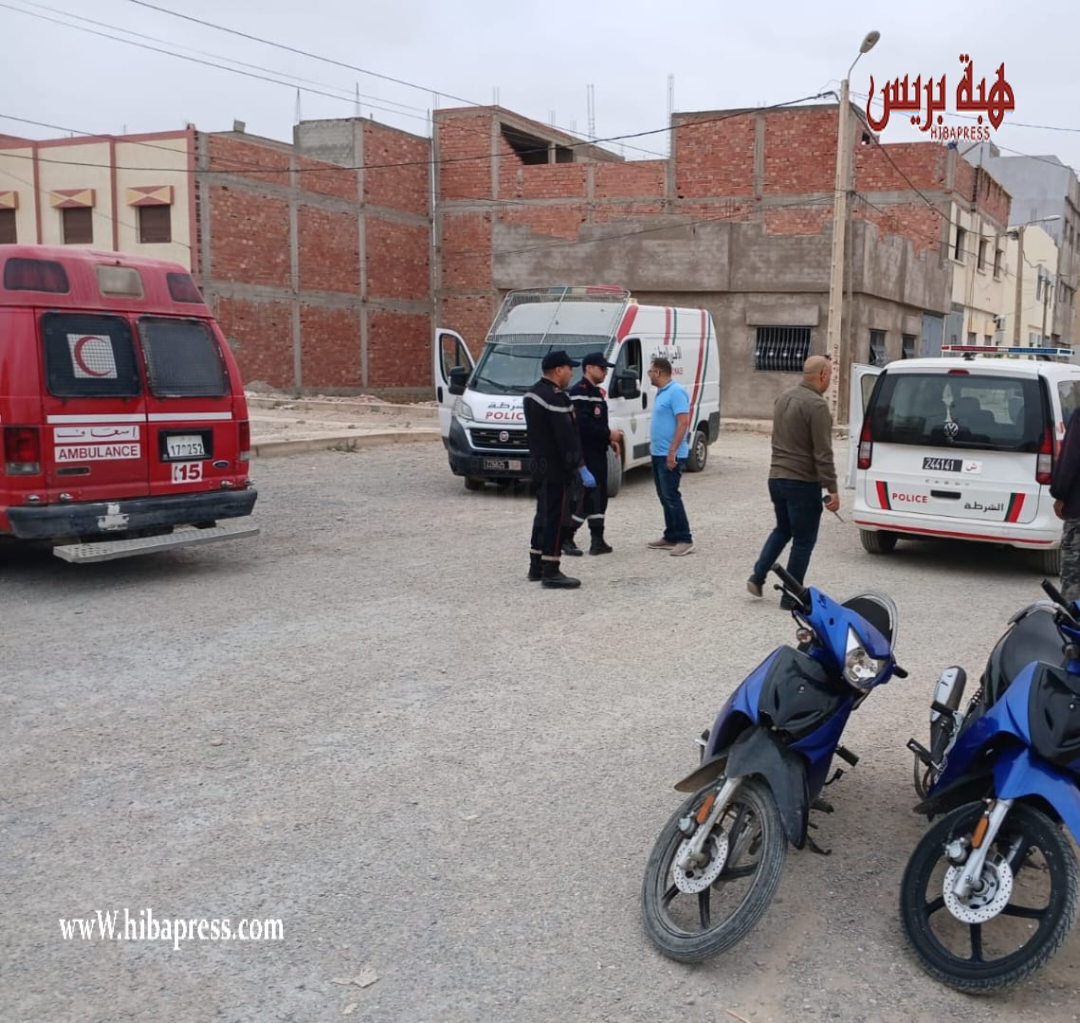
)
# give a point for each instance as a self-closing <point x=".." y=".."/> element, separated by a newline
<point x="942" y="464"/>
<point x="507" y="465"/>
<point x="188" y="445"/>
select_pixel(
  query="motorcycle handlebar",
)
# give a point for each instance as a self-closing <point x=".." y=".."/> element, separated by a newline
<point x="791" y="584"/>
<point x="1054" y="594"/>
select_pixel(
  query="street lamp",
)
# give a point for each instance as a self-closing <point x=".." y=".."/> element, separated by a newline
<point x="1018" y="234"/>
<point x="839" y="229"/>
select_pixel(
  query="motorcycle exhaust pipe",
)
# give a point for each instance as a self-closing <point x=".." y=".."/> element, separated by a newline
<point x="948" y="692"/>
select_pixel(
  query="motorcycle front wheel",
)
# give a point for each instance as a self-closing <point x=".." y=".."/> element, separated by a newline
<point x="1017" y="918"/>
<point x="692" y="916"/>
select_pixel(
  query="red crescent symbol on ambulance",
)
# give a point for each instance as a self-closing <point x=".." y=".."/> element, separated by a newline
<point x="77" y="355"/>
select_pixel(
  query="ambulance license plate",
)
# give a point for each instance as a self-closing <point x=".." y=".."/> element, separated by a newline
<point x="187" y="445"/>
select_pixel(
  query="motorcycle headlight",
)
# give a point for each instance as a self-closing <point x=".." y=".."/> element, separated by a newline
<point x="462" y="411"/>
<point x="860" y="669"/>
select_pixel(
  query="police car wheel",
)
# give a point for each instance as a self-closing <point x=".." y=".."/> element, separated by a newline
<point x="474" y="483"/>
<point x="1050" y="562"/>
<point x="699" y="452"/>
<point x="614" y="474"/>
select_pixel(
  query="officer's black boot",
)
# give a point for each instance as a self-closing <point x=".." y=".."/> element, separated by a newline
<point x="598" y="546"/>
<point x="571" y="548"/>
<point x="535" y="570"/>
<point x="554" y="579"/>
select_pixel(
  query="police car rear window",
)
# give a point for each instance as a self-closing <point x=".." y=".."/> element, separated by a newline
<point x="182" y="359"/>
<point x="959" y="411"/>
<point x="89" y="356"/>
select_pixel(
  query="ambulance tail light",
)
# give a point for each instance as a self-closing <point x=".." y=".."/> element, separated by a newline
<point x="866" y="444"/>
<point x="245" y="440"/>
<point x="22" y="451"/>
<point x="1044" y="467"/>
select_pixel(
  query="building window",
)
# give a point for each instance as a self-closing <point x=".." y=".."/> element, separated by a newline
<point x="907" y="350"/>
<point x="958" y="250"/>
<point x="781" y="349"/>
<point x="878" y="356"/>
<point x="988" y="339"/>
<point x="8" y="234"/>
<point x="973" y="338"/>
<point x="982" y="254"/>
<point x="78" y="225"/>
<point x="999" y="255"/>
<point x="155" y="224"/>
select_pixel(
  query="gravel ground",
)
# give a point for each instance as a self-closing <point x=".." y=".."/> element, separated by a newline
<point x="367" y="724"/>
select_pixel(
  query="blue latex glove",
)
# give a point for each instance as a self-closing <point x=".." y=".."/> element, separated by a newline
<point x="587" y="477"/>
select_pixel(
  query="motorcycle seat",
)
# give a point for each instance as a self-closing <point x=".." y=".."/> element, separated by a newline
<point x="1035" y="637"/>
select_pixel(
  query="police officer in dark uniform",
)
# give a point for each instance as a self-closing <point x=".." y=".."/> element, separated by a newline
<point x="590" y="407"/>
<point x="556" y="458"/>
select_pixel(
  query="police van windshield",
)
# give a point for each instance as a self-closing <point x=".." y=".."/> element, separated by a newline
<point x="959" y="411"/>
<point x="510" y="363"/>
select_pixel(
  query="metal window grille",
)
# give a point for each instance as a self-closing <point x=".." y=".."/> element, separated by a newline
<point x="908" y="350"/>
<point x="155" y="224"/>
<point x="781" y="349"/>
<point x="78" y="225"/>
<point x="878" y="355"/>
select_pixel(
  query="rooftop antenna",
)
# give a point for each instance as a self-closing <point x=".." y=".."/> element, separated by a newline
<point x="670" y="107"/>
<point x="357" y="110"/>
<point x="590" y="92"/>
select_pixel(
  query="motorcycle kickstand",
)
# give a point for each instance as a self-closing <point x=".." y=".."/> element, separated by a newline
<point x="814" y="847"/>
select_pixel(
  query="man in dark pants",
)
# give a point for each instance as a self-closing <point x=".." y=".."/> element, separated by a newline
<point x="591" y="412"/>
<point x="802" y="463"/>
<point x="1065" y="489"/>
<point x="555" y="450"/>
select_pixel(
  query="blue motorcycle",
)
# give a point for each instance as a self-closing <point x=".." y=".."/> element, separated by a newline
<point x="990" y="892"/>
<point x="717" y="863"/>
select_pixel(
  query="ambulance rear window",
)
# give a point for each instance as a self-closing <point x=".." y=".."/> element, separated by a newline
<point x="987" y="412"/>
<point x="89" y="356"/>
<point x="182" y="359"/>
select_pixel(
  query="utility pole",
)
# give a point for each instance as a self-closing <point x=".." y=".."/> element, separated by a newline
<point x="1019" y="283"/>
<point x="1046" y="299"/>
<point x="844" y="168"/>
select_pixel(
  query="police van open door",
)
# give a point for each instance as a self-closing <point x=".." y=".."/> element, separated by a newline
<point x="449" y="352"/>
<point x="863" y="379"/>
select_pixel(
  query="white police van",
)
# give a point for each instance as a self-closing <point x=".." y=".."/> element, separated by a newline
<point x="961" y="447"/>
<point x="480" y="404"/>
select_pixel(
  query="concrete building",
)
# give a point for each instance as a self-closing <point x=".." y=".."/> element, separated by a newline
<point x="318" y="269"/>
<point x="1037" y="297"/>
<point x="737" y="220"/>
<point x="1042" y="186"/>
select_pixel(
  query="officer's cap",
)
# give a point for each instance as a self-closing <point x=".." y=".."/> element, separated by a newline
<point x="555" y="359"/>
<point x="597" y="359"/>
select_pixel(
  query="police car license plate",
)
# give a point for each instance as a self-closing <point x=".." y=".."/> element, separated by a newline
<point x="512" y="464"/>
<point x="188" y="445"/>
<point x="942" y="464"/>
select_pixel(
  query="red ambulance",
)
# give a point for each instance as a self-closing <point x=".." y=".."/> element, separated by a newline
<point x="122" y="414"/>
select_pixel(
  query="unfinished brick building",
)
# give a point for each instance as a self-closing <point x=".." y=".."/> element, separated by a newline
<point x="738" y="220"/>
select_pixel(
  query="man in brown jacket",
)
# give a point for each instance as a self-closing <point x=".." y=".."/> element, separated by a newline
<point x="802" y="463"/>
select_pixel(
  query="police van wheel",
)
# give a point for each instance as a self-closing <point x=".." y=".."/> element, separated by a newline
<point x="877" y="541"/>
<point x="614" y="473"/>
<point x="1050" y="562"/>
<point x="474" y="483"/>
<point x="699" y="452"/>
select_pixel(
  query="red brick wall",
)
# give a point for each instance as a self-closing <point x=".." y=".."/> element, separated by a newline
<point x="915" y="221"/>
<point x="325" y="179"/>
<point x="963" y="176"/>
<point x="556" y="221"/>
<point x="330" y="353"/>
<point x="796" y="220"/>
<point x="626" y="180"/>
<point x="992" y="197"/>
<point x="249" y="234"/>
<point x="264" y="333"/>
<point x="249" y="160"/>
<point x="714" y="157"/>
<point x="800" y="151"/>
<point x="923" y="163"/>
<point x="551" y="181"/>
<point x="398" y="260"/>
<point x="608" y="212"/>
<point x="399" y="349"/>
<point x="329" y="244"/>
<point x="470" y="316"/>
<point x="464" y="147"/>
<point x="466" y="251"/>
<point x="397" y="172"/>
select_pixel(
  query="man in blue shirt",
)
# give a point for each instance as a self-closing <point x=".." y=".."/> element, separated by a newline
<point x="669" y="446"/>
